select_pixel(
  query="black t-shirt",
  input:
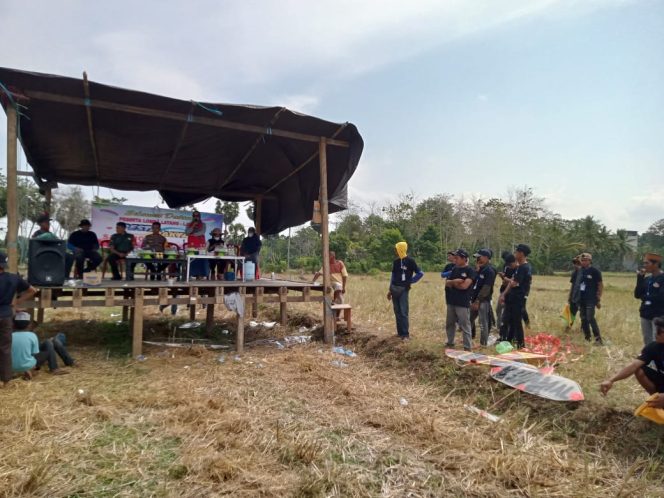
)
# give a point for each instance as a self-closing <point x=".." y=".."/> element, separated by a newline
<point x="460" y="297"/>
<point x="653" y="352"/>
<point x="84" y="240"/>
<point x="486" y="276"/>
<point x="523" y="276"/>
<point x="509" y="273"/>
<point x="403" y="270"/>
<point x="651" y="292"/>
<point x="10" y="285"/>
<point x="591" y="277"/>
<point x="448" y="267"/>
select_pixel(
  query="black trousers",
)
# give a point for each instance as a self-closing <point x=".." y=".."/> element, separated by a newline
<point x="113" y="261"/>
<point x="512" y="329"/>
<point x="6" y="328"/>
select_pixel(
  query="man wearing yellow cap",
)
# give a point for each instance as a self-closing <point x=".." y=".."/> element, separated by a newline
<point x="405" y="272"/>
<point x="650" y="290"/>
<point x="651" y="379"/>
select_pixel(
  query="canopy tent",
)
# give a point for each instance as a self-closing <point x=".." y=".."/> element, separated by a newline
<point x="79" y="132"/>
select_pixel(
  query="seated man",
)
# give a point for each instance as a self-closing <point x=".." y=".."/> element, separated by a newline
<point x="85" y="245"/>
<point x="156" y="242"/>
<point x="28" y="354"/>
<point x="121" y="244"/>
<point x="651" y="379"/>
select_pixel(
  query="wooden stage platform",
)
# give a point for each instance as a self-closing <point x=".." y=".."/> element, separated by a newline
<point x="134" y="295"/>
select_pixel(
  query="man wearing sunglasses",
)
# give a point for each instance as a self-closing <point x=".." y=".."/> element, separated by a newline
<point x="650" y="290"/>
<point x="651" y="379"/>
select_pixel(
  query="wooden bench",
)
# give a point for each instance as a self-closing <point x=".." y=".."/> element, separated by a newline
<point x="346" y="308"/>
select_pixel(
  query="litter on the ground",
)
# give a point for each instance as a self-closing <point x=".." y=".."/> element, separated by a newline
<point x="237" y="358"/>
<point x="338" y="363"/>
<point x="482" y="413"/>
<point x="185" y="345"/>
<point x="296" y="339"/>
<point x="190" y="325"/>
<point x="279" y="345"/>
<point x="221" y="359"/>
<point x="225" y="332"/>
<point x="491" y="340"/>
<point x="403" y="402"/>
<point x="345" y="352"/>
<point x="113" y="315"/>
<point x="141" y="357"/>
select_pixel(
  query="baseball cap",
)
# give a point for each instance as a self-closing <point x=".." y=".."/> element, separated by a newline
<point x="453" y="253"/>
<point x="524" y="248"/>
<point x="461" y="253"/>
<point x="43" y="217"/>
<point x="22" y="316"/>
<point x="484" y="252"/>
<point x="85" y="222"/>
<point x="586" y="255"/>
<point x="3" y="260"/>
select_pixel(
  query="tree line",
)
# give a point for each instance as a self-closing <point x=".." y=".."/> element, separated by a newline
<point x="364" y="238"/>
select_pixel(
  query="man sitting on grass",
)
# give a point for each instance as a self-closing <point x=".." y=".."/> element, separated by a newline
<point x="28" y="354"/>
<point x="651" y="379"/>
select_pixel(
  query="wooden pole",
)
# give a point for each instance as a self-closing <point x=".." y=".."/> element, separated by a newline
<point x="328" y="316"/>
<point x="209" y="319"/>
<point x="258" y="207"/>
<point x="48" y="200"/>
<point x="239" y="337"/>
<point x="137" y="325"/>
<point x="12" y="189"/>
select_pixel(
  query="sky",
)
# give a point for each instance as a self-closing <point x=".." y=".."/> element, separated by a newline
<point x="470" y="98"/>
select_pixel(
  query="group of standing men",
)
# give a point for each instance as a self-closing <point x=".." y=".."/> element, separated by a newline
<point x="468" y="293"/>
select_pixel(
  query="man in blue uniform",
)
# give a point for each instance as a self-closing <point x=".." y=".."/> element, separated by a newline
<point x="405" y="272"/>
<point x="459" y="284"/>
<point x="589" y="294"/>
<point x="514" y="297"/>
<point x="482" y="293"/>
<point x="650" y="290"/>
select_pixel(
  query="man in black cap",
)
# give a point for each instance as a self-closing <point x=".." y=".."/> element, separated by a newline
<point x="85" y="245"/>
<point x="10" y="285"/>
<point x="459" y="284"/>
<point x="480" y="306"/>
<point x="514" y="297"/>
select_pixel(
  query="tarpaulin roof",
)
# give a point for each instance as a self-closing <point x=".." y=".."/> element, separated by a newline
<point x="79" y="132"/>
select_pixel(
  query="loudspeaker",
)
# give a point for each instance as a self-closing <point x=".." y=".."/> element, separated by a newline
<point x="46" y="262"/>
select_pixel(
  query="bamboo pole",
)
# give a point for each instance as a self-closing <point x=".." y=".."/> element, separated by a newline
<point x="258" y="207"/>
<point x="12" y="189"/>
<point x="328" y="316"/>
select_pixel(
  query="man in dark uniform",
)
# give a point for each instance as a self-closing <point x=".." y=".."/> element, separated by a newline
<point x="651" y="379"/>
<point x="514" y="297"/>
<point x="122" y="243"/>
<point x="460" y="284"/>
<point x="85" y="244"/>
<point x="505" y="276"/>
<point x="650" y="290"/>
<point x="480" y="306"/>
<point x="575" y="282"/>
<point x="11" y="285"/>
<point x="589" y="294"/>
<point x="405" y="272"/>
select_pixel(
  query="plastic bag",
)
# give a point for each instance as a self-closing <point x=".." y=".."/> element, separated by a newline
<point x="503" y="347"/>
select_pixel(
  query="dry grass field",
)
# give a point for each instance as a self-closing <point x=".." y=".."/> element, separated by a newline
<point x="291" y="423"/>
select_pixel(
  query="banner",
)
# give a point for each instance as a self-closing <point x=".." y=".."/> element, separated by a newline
<point x="139" y="221"/>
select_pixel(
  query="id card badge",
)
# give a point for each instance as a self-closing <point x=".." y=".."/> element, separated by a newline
<point x="582" y="287"/>
<point x="403" y="276"/>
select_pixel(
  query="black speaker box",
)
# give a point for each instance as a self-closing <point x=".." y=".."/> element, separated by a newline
<point x="46" y="262"/>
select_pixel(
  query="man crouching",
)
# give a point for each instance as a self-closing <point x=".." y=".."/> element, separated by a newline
<point x="650" y="377"/>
